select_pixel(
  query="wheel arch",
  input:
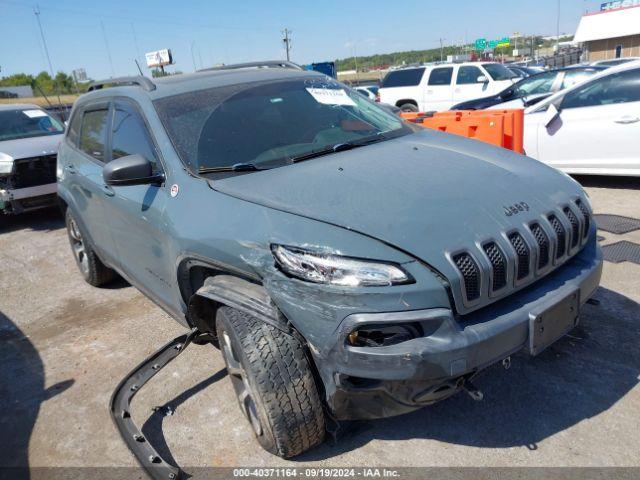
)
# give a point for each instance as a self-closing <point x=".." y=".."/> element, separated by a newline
<point x="205" y="286"/>
<point x="405" y="101"/>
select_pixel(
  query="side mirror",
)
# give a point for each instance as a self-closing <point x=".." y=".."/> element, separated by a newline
<point x="551" y="115"/>
<point x="507" y="94"/>
<point x="482" y="79"/>
<point x="130" y="170"/>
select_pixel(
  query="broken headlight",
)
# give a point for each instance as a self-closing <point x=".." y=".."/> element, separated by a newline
<point x="337" y="270"/>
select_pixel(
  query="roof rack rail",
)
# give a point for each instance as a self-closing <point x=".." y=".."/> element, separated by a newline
<point x="263" y="64"/>
<point x="139" y="80"/>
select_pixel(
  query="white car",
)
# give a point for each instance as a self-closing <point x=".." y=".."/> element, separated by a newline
<point x="369" y="91"/>
<point x="614" y="62"/>
<point x="29" y="139"/>
<point x="439" y="87"/>
<point x="590" y="128"/>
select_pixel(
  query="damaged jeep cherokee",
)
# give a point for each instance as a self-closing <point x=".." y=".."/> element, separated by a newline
<point x="347" y="264"/>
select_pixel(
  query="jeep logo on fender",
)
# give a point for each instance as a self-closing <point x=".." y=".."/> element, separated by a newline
<point x="516" y="208"/>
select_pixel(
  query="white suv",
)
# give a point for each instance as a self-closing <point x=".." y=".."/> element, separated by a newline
<point x="439" y="87"/>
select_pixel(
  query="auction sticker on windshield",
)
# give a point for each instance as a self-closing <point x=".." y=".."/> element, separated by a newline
<point x="331" y="96"/>
<point x="34" y="113"/>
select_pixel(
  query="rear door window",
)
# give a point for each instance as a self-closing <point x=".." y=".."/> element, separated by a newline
<point x="467" y="75"/>
<point x="441" y="76"/>
<point x="94" y="133"/>
<point x="403" y="78"/>
<point x="130" y="135"/>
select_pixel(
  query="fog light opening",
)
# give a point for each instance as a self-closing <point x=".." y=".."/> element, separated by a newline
<point x="383" y="335"/>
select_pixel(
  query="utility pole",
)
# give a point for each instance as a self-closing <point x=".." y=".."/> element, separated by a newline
<point x="106" y="44"/>
<point x="193" y="58"/>
<point x="441" y="50"/>
<point x="558" y="30"/>
<point x="286" y="39"/>
<point x="36" y="12"/>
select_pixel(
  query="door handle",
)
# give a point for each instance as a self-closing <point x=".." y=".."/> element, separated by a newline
<point x="626" y="119"/>
<point x="70" y="169"/>
<point x="108" y="191"/>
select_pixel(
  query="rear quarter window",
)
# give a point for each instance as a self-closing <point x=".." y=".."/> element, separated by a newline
<point x="73" y="132"/>
<point x="403" y="78"/>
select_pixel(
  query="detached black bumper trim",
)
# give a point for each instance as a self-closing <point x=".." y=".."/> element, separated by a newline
<point x="145" y="454"/>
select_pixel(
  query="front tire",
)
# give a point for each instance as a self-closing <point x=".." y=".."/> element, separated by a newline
<point x="91" y="267"/>
<point x="273" y="382"/>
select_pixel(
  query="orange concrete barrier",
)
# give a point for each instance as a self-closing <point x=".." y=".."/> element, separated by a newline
<point x="503" y="128"/>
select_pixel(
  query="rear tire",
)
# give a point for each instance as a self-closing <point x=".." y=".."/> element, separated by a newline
<point x="91" y="267"/>
<point x="408" y="107"/>
<point x="273" y="382"/>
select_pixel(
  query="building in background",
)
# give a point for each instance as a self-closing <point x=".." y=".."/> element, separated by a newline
<point x="613" y="32"/>
<point x="23" y="91"/>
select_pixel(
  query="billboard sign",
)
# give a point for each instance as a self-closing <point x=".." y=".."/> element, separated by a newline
<point x="619" y="4"/>
<point x="159" y="58"/>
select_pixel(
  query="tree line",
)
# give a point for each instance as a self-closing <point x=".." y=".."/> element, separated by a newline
<point x="42" y="83"/>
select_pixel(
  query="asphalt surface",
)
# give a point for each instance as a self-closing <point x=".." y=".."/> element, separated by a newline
<point x="65" y="345"/>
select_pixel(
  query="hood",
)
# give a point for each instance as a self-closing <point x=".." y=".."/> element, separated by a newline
<point x="31" y="147"/>
<point x="427" y="193"/>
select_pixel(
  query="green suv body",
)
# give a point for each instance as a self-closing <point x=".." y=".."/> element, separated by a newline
<point x="346" y="263"/>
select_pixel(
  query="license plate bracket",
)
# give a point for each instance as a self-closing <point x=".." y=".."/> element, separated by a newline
<point x="549" y="324"/>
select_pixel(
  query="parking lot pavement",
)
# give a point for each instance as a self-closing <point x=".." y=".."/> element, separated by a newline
<point x="66" y="345"/>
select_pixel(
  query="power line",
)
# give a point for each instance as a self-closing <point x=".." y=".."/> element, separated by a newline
<point x="287" y="41"/>
<point x="106" y="44"/>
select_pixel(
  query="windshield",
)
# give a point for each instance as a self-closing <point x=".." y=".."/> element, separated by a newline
<point x="271" y="124"/>
<point x="498" y="72"/>
<point x="540" y="83"/>
<point x="25" y="123"/>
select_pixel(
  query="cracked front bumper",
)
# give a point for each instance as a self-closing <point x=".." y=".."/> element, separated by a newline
<point x="374" y="382"/>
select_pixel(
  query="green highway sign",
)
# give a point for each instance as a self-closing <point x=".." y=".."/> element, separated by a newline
<point x="482" y="43"/>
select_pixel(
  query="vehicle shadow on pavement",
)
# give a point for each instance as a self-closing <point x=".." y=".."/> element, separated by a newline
<point x="21" y="394"/>
<point x="579" y="377"/>
<point x="39" y="220"/>
<point x="606" y="181"/>
<point x="152" y="428"/>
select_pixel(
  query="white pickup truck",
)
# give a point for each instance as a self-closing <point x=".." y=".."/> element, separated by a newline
<point x="439" y="87"/>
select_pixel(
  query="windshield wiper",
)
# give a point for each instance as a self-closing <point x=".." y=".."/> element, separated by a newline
<point x="338" y="147"/>
<point x="238" y="167"/>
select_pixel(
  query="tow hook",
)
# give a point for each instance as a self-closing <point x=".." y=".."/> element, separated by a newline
<point x="473" y="391"/>
<point x="506" y="363"/>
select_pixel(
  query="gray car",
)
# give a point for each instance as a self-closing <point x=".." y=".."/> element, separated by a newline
<point x="29" y="139"/>
<point x="347" y="264"/>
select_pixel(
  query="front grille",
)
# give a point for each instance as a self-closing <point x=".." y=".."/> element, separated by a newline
<point x="499" y="265"/>
<point x="587" y="217"/>
<point x="543" y="244"/>
<point x="470" y="275"/>
<point x="575" y="226"/>
<point x="560" y="233"/>
<point x="31" y="172"/>
<point x="523" y="254"/>
<point x="492" y="269"/>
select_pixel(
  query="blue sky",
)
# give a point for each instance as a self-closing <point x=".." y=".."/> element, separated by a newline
<point x="228" y="32"/>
